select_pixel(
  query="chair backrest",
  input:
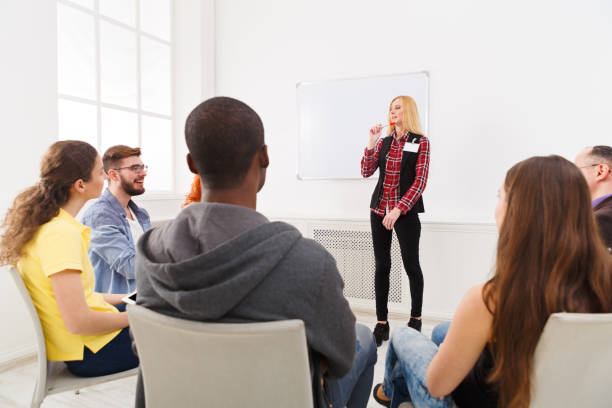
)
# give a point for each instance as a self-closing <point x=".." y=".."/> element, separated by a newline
<point x="40" y="337"/>
<point x="573" y="362"/>
<point x="189" y="363"/>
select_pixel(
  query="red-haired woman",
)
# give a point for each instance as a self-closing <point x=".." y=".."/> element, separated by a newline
<point x="195" y="192"/>
<point x="550" y="258"/>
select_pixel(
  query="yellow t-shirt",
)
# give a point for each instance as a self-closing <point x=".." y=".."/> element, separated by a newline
<point x="60" y="244"/>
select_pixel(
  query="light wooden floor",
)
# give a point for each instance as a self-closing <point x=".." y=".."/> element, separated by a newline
<point x="17" y="381"/>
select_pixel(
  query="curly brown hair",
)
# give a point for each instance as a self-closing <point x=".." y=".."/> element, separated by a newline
<point x="64" y="163"/>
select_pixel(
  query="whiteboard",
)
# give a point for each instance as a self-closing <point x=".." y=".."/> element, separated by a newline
<point x="334" y="118"/>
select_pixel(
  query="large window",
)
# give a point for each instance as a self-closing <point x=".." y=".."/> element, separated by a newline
<point x="115" y="79"/>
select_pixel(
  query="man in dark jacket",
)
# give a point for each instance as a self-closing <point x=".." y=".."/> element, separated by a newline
<point x="222" y="261"/>
<point x="596" y="165"/>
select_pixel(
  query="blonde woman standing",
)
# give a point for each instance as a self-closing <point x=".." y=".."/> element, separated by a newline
<point x="403" y="160"/>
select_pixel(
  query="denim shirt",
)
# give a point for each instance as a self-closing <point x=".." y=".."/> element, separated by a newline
<point x="112" y="248"/>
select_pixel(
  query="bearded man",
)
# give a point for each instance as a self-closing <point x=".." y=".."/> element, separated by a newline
<point x="116" y="222"/>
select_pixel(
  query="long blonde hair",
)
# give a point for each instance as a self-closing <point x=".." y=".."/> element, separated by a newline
<point x="410" y="115"/>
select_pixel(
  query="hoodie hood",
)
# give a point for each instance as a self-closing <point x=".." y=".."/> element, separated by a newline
<point x="209" y="285"/>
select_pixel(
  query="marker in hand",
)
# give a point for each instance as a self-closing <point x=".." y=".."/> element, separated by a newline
<point x="375" y="134"/>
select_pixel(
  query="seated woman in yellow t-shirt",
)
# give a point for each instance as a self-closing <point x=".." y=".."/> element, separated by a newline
<point x="86" y="329"/>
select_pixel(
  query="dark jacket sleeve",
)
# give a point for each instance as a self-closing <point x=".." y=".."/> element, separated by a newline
<point x="604" y="221"/>
<point x="331" y="330"/>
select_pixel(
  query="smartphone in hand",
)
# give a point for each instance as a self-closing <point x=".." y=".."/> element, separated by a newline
<point x="130" y="298"/>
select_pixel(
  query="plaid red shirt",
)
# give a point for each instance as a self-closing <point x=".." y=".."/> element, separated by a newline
<point x="369" y="164"/>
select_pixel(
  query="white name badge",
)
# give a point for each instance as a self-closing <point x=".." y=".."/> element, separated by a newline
<point x="411" y="147"/>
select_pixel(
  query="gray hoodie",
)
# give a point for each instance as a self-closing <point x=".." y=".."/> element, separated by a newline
<point x="226" y="263"/>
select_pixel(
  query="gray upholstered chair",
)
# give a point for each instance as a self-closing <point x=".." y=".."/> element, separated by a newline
<point x="195" y="364"/>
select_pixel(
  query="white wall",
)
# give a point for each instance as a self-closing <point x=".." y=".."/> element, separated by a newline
<point x="454" y="257"/>
<point x="508" y="79"/>
<point x="28" y="126"/>
<point x="520" y="77"/>
<point x="28" y="102"/>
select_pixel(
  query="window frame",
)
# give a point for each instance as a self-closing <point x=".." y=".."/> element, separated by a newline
<point x="138" y="110"/>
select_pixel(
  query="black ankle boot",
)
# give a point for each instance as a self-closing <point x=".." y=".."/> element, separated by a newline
<point x="415" y="323"/>
<point x="381" y="332"/>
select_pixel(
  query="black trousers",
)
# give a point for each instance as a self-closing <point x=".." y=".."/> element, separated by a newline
<point x="408" y="230"/>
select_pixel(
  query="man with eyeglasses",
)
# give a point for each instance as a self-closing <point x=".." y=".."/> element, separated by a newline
<point x="116" y="222"/>
<point x="596" y="166"/>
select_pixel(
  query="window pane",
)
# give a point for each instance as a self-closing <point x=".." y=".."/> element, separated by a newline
<point x="118" y="127"/>
<point x="77" y="121"/>
<point x="155" y="18"/>
<point x="121" y="10"/>
<point x="155" y="76"/>
<point x="118" y="65"/>
<point x="157" y="153"/>
<point x="84" y="3"/>
<point x="75" y="53"/>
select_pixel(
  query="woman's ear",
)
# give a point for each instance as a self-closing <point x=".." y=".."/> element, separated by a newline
<point x="78" y="186"/>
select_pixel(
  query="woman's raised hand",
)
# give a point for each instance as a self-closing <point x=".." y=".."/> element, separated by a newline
<point x="374" y="135"/>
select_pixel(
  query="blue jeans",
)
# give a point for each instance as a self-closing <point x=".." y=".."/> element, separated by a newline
<point x="408" y="358"/>
<point x="353" y="390"/>
<point x="115" y="356"/>
<point x="439" y="333"/>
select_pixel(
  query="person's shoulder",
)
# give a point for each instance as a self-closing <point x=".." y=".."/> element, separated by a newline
<point x="384" y="142"/>
<point x="57" y="231"/>
<point x="188" y="221"/>
<point x="474" y="299"/>
<point x="419" y="137"/>
<point x="604" y="207"/>
<point x="308" y="252"/>
<point x="99" y="213"/>
<point x="301" y="245"/>
<point x="140" y="208"/>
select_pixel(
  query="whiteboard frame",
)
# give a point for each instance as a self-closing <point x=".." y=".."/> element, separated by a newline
<point x="374" y="177"/>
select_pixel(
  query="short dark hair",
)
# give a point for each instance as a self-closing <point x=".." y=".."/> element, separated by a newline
<point x="603" y="153"/>
<point x="222" y="135"/>
<point x="114" y="154"/>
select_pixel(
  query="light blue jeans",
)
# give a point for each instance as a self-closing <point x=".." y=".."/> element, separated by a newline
<point x="353" y="390"/>
<point x="439" y="333"/>
<point x="408" y="357"/>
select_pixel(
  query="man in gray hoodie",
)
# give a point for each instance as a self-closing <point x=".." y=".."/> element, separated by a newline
<point x="222" y="261"/>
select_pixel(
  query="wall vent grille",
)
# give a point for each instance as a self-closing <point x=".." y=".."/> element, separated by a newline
<point x="355" y="259"/>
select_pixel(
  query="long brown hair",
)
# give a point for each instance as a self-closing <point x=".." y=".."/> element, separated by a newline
<point x="550" y="258"/>
<point x="64" y="163"/>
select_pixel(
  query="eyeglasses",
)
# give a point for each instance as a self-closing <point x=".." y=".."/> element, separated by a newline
<point x="136" y="168"/>
<point x="598" y="164"/>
